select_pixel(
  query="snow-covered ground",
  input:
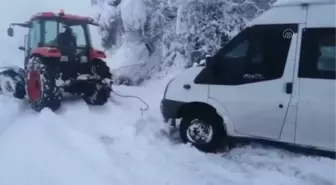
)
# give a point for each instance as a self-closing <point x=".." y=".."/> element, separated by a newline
<point x="116" y="145"/>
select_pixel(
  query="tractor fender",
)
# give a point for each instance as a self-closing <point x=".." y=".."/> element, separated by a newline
<point x="96" y="54"/>
<point x="54" y="52"/>
<point x="47" y="52"/>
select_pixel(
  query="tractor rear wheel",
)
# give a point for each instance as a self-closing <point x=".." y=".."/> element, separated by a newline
<point x="100" y="90"/>
<point x="41" y="85"/>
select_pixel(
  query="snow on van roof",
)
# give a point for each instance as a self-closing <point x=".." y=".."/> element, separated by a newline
<point x="300" y="2"/>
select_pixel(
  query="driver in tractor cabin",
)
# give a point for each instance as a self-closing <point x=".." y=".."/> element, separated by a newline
<point x="67" y="42"/>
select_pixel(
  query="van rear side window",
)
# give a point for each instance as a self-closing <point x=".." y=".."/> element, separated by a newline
<point x="326" y="60"/>
<point x="317" y="58"/>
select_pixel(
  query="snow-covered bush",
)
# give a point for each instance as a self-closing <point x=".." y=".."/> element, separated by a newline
<point x="166" y="33"/>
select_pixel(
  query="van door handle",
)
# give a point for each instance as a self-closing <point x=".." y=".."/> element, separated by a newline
<point x="289" y="88"/>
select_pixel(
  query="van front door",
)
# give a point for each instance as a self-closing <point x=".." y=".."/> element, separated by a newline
<point x="253" y="77"/>
<point x="316" y="109"/>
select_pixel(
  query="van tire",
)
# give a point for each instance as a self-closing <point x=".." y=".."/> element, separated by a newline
<point x="210" y="123"/>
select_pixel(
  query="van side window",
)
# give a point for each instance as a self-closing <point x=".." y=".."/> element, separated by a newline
<point x="317" y="57"/>
<point x="239" y="51"/>
<point x="257" y="54"/>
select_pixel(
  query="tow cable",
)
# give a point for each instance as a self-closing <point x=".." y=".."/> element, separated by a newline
<point x="142" y="110"/>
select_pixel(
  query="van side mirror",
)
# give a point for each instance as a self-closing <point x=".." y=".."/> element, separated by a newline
<point x="10" y="31"/>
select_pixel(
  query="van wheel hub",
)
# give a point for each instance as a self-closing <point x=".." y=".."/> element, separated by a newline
<point x="199" y="132"/>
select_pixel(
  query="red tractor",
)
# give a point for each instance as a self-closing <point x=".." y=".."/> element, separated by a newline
<point x="59" y="58"/>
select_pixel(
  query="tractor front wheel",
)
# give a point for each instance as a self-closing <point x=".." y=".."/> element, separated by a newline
<point x="41" y="85"/>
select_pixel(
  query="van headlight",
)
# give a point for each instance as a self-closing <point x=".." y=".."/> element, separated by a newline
<point x="165" y="91"/>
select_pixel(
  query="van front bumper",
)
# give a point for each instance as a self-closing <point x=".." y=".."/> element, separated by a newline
<point x="170" y="109"/>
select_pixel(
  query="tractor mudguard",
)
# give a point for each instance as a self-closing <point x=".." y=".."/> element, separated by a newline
<point x="96" y="54"/>
<point x="47" y="52"/>
<point x="54" y="52"/>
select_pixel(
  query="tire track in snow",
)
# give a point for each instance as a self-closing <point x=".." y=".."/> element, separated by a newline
<point x="81" y="146"/>
<point x="43" y="144"/>
<point x="10" y="110"/>
<point x="64" y="148"/>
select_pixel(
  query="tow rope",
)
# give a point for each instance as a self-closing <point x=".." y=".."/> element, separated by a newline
<point x="115" y="71"/>
<point x="142" y="110"/>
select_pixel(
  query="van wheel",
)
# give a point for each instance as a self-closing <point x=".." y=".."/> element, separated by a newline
<point x="204" y="131"/>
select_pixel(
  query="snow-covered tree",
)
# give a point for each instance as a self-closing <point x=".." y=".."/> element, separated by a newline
<point x="177" y="32"/>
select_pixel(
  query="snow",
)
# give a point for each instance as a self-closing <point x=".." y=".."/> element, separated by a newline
<point x="136" y="15"/>
<point x="116" y="144"/>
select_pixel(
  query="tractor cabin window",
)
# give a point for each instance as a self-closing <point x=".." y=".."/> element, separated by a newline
<point x="78" y="32"/>
<point x="50" y="33"/>
<point x="52" y="30"/>
<point x="34" y="35"/>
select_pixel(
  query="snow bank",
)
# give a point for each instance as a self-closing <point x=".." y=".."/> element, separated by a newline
<point x="10" y="109"/>
<point x="44" y="150"/>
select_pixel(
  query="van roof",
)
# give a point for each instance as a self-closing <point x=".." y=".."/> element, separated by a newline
<point x="291" y="12"/>
<point x="281" y="3"/>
